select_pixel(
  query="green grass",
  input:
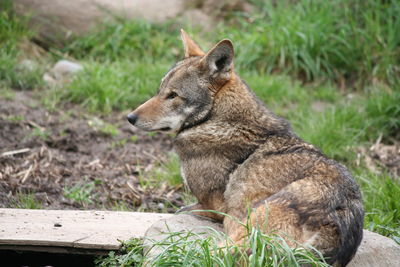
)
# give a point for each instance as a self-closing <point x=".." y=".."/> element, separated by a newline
<point x="343" y="124"/>
<point x="15" y="75"/>
<point x="103" y="127"/>
<point x="341" y="128"/>
<point x="13" y="31"/>
<point x="114" y="85"/>
<point x="15" y="118"/>
<point x="165" y="171"/>
<point x="6" y="93"/>
<point x="26" y="201"/>
<point x="12" y="28"/>
<point x="182" y="250"/>
<point x="40" y="133"/>
<point x="337" y="40"/>
<point x="132" y="40"/>
<point x="380" y="193"/>
<point x="81" y="193"/>
<point x="131" y="254"/>
<point x="355" y="43"/>
<point x="188" y="248"/>
<point x="168" y="171"/>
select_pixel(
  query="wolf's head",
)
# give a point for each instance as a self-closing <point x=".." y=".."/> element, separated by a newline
<point x="186" y="93"/>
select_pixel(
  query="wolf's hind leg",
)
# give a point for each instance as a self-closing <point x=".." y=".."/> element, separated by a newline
<point x="275" y="217"/>
<point x="269" y="218"/>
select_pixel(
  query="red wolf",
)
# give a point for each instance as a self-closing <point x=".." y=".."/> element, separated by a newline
<point x="235" y="154"/>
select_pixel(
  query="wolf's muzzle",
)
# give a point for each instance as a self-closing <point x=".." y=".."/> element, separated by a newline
<point x="132" y="118"/>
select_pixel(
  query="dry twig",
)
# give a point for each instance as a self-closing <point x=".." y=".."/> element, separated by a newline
<point x="14" y="152"/>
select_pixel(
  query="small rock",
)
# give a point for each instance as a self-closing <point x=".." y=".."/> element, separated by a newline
<point x="47" y="78"/>
<point x="61" y="72"/>
<point x="64" y="68"/>
<point x="161" y="206"/>
<point x="27" y="65"/>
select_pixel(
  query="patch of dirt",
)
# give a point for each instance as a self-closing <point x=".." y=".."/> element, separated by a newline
<point x="382" y="156"/>
<point x="46" y="153"/>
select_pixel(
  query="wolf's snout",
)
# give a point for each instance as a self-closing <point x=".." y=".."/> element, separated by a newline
<point x="132" y="118"/>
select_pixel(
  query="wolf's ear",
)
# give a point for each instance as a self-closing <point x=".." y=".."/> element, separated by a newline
<point x="219" y="60"/>
<point x="191" y="48"/>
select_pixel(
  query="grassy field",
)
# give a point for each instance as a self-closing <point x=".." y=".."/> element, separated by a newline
<point x="331" y="68"/>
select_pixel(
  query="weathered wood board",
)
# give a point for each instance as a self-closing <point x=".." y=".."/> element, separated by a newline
<point x="71" y="230"/>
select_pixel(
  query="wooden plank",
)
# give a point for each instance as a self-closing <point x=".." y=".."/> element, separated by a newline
<point x="89" y="229"/>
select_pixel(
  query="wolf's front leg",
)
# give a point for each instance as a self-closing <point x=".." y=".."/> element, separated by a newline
<point x="200" y="210"/>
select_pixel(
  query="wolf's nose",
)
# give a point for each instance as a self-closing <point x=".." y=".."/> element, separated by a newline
<point x="132" y="118"/>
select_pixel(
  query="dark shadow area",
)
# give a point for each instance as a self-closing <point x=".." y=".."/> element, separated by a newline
<point x="40" y="259"/>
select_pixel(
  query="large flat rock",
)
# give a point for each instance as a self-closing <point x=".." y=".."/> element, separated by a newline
<point x="376" y="251"/>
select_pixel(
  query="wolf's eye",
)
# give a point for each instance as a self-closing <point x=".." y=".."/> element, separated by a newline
<point x="172" y="95"/>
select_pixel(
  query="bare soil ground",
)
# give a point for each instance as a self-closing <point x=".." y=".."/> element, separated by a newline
<point x="98" y="160"/>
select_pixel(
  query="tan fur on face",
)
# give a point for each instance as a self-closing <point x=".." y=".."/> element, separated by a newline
<point x="149" y="113"/>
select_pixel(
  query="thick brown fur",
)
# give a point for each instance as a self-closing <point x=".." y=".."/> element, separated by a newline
<point x="236" y="154"/>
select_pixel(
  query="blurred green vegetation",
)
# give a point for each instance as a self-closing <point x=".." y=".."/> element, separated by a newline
<point x="26" y="201"/>
<point x="356" y="40"/>
<point x="13" y="32"/>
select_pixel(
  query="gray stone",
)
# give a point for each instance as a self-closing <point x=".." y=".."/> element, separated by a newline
<point x="61" y="72"/>
<point x="65" y="67"/>
<point x="375" y="250"/>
